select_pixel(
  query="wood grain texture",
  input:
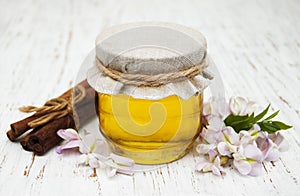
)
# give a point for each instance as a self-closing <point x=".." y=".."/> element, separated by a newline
<point x="255" y="45"/>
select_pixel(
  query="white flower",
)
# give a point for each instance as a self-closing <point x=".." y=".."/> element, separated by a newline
<point x="250" y="136"/>
<point x="248" y="160"/>
<point x="215" y="111"/>
<point x="280" y="141"/>
<point x="72" y="140"/>
<point x="271" y="145"/>
<point x="229" y="143"/>
<point x="241" y="106"/>
<point x="89" y="160"/>
<point x="248" y="148"/>
<point x="95" y="153"/>
<point x="268" y="148"/>
<point x="205" y="148"/>
<point x="212" y="164"/>
<point x="210" y="136"/>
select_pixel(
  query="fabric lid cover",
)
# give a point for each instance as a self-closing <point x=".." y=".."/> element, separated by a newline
<point x="150" y="48"/>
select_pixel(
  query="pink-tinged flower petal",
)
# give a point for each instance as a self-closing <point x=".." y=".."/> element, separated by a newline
<point x="231" y="136"/>
<point x="250" y="108"/>
<point x="248" y="160"/>
<point x="238" y="157"/>
<point x="251" y="151"/>
<point x="226" y="149"/>
<point x="207" y="109"/>
<point x="242" y="166"/>
<point x="280" y="141"/>
<point x="264" y="144"/>
<point x="222" y="149"/>
<point x="72" y="144"/>
<point x="211" y="136"/>
<point x="217" y="168"/>
<point x="212" y="154"/>
<point x="100" y="157"/>
<point x="110" y="172"/>
<point x="68" y="134"/>
<point x="273" y="154"/>
<point x="220" y="108"/>
<point x="249" y="137"/>
<point x="204" y="148"/>
<point x="274" y="138"/>
<point x="83" y="148"/>
<point x="225" y="111"/>
<point x="201" y="165"/>
<point x="237" y="105"/>
<point x="68" y="145"/>
<point x="241" y="106"/>
<point x="202" y="134"/>
<point x="122" y="160"/>
<point x="216" y="171"/>
<point x="268" y="148"/>
<point x="245" y="137"/>
<point x="126" y="172"/>
<point x="58" y="150"/>
<point x="284" y="146"/>
<point x="216" y="123"/>
<point x="256" y="169"/>
<point x="207" y="168"/>
<point x="88" y="141"/>
<point x="82" y="159"/>
<point x="256" y="128"/>
<point x="101" y="148"/>
<point x="94" y="163"/>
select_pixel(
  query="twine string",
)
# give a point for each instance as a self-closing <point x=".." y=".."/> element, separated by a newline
<point x="56" y="108"/>
<point x="152" y="80"/>
<point x="60" y="107"/>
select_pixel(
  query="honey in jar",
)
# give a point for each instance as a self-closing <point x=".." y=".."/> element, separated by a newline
<point x="150" y="131"/>
<point x="147" y="111"/>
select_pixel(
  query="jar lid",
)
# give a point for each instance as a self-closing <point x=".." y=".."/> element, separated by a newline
<point x="150" y="49"/>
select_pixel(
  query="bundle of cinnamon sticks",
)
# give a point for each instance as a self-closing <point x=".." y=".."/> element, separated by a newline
<point x="42" y="138"/>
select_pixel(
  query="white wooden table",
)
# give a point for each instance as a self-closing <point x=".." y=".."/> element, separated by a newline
<point x="255" y="44"/>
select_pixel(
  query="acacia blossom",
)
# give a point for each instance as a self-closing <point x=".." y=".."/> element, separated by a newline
<point x="248" y="160"/>
<point x="213" y="164"/>
<point x="94" y="153"/>
<point x="247" y="148"/>
<point x="241" y="106"/>
<point x="229" y="142"/>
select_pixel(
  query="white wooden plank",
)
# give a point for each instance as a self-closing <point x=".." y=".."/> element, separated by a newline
<point x="255" y="45"/>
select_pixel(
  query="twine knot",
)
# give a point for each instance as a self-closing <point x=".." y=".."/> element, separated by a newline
<point x="152" y="80"/>
<point x="56" y="108"/>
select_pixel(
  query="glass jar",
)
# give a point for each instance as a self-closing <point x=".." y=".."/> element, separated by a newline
<point x="155" y="123"/>
<point x="150" y="131"/>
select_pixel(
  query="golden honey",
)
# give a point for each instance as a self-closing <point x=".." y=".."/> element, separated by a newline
<point x="150" y="131"/>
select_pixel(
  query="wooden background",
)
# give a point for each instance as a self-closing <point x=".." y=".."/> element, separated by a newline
<point x="255" y="45"/>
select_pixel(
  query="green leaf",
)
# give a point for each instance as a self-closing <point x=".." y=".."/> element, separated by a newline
<point x="252" y="115"/>
<point x="272" y="115"/>
<point x="273" y="126"/>
<point x="242" y="126"/>
<point x="281" y="125"/>
<point x="246" y="122"/>
<point x="262" y="114"/>
<point x="232" y="118"/>
<point x="267" y="126"/>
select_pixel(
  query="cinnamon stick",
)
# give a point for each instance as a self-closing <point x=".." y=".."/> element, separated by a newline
<point x="45" y="137"/>
<point x="41" y="139"/>
<point x="20" y="127"/>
